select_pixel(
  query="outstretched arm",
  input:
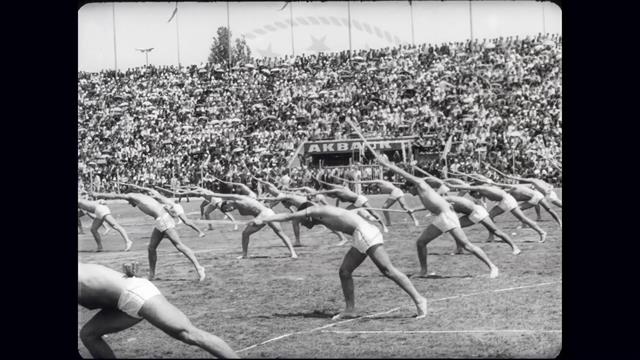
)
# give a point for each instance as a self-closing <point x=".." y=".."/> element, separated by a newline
<point x="411" y="178"/>
<point x="281" y="217"/>
<point x="110" y="196"/>
<point x="465" y="187"/>
<point x="424" y="172"/>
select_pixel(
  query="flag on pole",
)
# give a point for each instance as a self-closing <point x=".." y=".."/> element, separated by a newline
<point x="447" y="147"/>
<point x="175" y="11"/>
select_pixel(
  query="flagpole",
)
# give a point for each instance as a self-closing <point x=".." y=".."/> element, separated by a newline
<point x="115" y="53"/>
<point x="470" y="21"/>
<point x="228" y="36"/>
<point x="413" y="42"/>
<point x="293" y="51"/>
<point x="177" y="35"/>
<point x="544" y="31"/>
<point x="349" y="16"/>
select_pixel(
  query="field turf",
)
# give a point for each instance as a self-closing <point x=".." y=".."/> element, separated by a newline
<point x="273" y="306"/>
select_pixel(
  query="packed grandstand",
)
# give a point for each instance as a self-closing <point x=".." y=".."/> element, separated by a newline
<point x="498" y="100"/>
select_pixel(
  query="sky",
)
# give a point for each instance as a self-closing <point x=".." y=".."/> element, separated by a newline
<point x="316" y="27"/>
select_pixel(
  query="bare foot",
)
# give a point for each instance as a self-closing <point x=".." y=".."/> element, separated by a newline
<point x="201" y="234"/>
<point x="294" y="256"/>
<point x="345" y="315"/>
<point x="210" y="227"/>
<point x="384" y="229"/>
<point x="99" y="249"/>
<point x="151" y="276"/>
<point x="424" y="274"/>
<point x="416" y="223"/>
<point x="543" y="237"/>
<point x="201" y="274"/>
<point x="127" y="245"/>
<point x="106" y="231"/>
<point x="342" y="242"/>
<point x="494" y="273"/>
<point x="242" y="257"/>
<point x="297" y="244"/>
<point x="422" y="308"/>
<point x="516" y="251"/>
<point x="235" y="227"/>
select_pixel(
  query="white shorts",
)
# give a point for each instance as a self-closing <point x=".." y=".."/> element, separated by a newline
<point x="365" y="236"/>
<point x="446" y="221"/>
<point x="443" y="189"/>
<point x="396" y="194"/>
<point x="479" y="213"/>
<point x="361" y="200"/>
<point x="535" y="199"/>
<point x="177" y="210"/>
<point x="508" y="203"/>
<point x="101" y="211"/>
<point x="266" y="212"/>
<point x="138" y="291"/>
<point x="165" y="222"/>
<point x="552" y="196"/>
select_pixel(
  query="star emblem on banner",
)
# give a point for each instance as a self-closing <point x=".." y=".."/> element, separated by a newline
<point x="267" y="52"/>
<point x="318" y="44"/>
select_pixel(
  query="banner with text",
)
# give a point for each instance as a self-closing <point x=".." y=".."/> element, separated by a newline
<point x="351" y="145"/>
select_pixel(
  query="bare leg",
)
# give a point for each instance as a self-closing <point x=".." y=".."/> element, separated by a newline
<point x="387" y="204"/>
<point x="403" y="205"/>
<point x="538" y="215"/>
<point x="203" y="205"/>
<point x="230" y="217"/>
<point x="96" y="234"/>
<point x="278" y="230"/>
<point x="461" y="238"/>
<point x="351" y="261"/>
<point x="250" y="229"/>
<point x="208" y="210"/>
<point x="520" y="216"/>
<point x="295" y="223"/>
<point x="172" y="234"/>
<point x="106" y="321"/>
<point x="166" y="317"/>
<point x="554" y="215"/>
<point x="156" y="237"/>
<point x="491" y="226"/>
<point x="190" y="224"/>
<point x="380" y="257"/>
<point x="343" y="239"/>
<point x="430" y="233"/>
<point x="111" y="221"/>
<point x="80" y="229"/>
<point x="525" y="206"/>
<point x="378" y="218"/>
<point x="495" y="211"/>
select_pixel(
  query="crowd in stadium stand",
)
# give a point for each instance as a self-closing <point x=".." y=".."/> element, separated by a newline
<point x="499" y="100"/>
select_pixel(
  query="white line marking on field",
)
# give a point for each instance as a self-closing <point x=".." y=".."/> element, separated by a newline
<point x="438" y="331"/>
<point x="392" y="310"/>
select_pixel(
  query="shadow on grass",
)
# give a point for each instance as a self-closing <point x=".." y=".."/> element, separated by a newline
<point x="323" y="314"/>
<point x="415" y="276"/>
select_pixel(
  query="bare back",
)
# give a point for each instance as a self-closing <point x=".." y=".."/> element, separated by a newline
<point x="99" y="286"/>
<point x="147" y="205"/>
<point x="337" y="219"/>
<point x="430" y="199"/>
<point x="460" y="204"/>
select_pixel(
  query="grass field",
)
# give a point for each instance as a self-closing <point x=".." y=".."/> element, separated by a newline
<point x="272" y="306"/>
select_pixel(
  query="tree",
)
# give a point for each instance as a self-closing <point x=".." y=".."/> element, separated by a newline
<point x="219" y="52"/>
